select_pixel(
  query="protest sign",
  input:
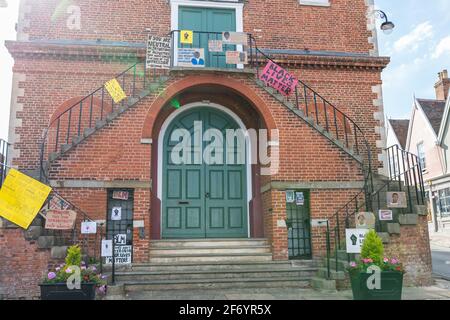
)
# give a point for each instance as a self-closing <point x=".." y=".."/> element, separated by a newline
<point x="60" y="219"/>
<point x="191" y="57"/>
<point x="122" y="255"/>
<point x="115" y="90"/>
<point x="158" y="52"/>
<point x="234" y="37"/>
<point x="88" y="227"/>
<point x="276" y="77"/>
<point x="215" y="46"/>
<point x="187" y="37"/>
<point x="236" y="57"/>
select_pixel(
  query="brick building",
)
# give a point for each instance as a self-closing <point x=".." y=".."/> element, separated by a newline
<point x="329" y="133"/>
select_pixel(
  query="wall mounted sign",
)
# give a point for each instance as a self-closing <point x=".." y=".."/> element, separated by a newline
<point x="60" y="219"/>
<point x="88" y="227"/>
<point x="385" y="215"/>
<point x="236" y="57"/>
<point x="120" y="195"/>
<point x="215" y="46"/>
<point x="115" y="90"/>
<point x="122" y="255"/>
<point x="354" y="239"/>
<point x="21" y="198"/>
<point x="278" y="78"/>
<point x="107" y="248"/>
<point x="299" y="198"/>
<point x="234" y="37"/>
<point x="365" y="220"/>
<point x="120" y="239"/>
<point x="396" y="200"/>
<point x="158" y="52"/>
<point x="290" y="196"/>
<point x="191" y="57"/>
<point x="187" y="36"/>
<point x="116" y="213"/>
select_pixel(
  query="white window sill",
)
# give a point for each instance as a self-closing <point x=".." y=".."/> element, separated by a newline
<point x="319" y="3"/>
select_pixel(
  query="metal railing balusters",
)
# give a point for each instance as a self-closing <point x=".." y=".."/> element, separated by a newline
<point x="69" y="125"/>
<point x="306" y="101"/>
<point x="90" y="111"/>
<point x="57" y="134"/>
<point x="79" y="118"/>
<point x="326" y="116"/>
<point x="316" y="109"/>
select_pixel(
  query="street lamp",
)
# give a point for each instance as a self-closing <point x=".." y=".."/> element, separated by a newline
<point x="387" y="26"/>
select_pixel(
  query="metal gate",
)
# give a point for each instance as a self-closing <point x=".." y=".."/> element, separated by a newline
<point x="120" y="217"/>
<point x="299" y="225"/>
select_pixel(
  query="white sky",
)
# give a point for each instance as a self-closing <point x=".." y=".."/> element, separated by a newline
<point x="8" y="19"/>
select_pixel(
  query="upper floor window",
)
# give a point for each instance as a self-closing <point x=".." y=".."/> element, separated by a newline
<point x="421" y="155"/>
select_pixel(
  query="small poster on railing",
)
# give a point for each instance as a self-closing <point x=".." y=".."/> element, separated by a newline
<point x="234" y="37"/>
<point x="88" y="227"/>
<point x="115" y="90"/>
<point x="116" y="213"/>
<point x="354" y="239"/>
<point x="365" y="220"/>
<point x="386" y="215"/>
<point x="396" y="200"/>
<point x="60" y="219"/>
<point x="158" y="52"/>
<point x="187" y="36"/>
<point x="278" y="78"/>
<point x="215" y="46"/>
<point x="191" y="57"/>
<point x="236" y="57"/>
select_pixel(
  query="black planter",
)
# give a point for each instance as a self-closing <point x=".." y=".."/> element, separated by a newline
<point x="391" y="286"/>
<point x="59" y="291"/>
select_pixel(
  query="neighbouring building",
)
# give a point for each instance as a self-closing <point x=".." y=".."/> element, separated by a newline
<point x="113" y="161"/>
<point x="428" y="138"/>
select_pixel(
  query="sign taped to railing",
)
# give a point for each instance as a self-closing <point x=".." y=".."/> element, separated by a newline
<point x="354" y="239"/>
<point x="122" y="255"/>
<point x="21" y="198"/>
<point x="115" y="90"/>
<point x="158" y="52"/>
<point x="234" y="37"/>
<point x="191" y="57"/>
<point x="236" y="57"/>
<point x="278" y="78"/>
<point x="60" y="219"/>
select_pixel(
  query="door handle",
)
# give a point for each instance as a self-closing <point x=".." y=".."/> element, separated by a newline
<point x="183" y="202"/>
<point x="207" y="195"/>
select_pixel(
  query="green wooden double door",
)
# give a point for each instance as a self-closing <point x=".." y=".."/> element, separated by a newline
<point x="212" y="21"/>
<point x="203" y="196"/>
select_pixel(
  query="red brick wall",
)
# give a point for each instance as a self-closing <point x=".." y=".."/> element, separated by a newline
<point x="275" y="23"/>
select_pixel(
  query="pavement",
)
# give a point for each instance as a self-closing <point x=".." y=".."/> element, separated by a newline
<point x="440" y="291"/>
<point x="440" y="252"/>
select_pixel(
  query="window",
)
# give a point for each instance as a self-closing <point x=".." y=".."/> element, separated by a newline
<point x="444" y="203"/>
<point x="322" y="3"/>
<point x="421" y="155"/>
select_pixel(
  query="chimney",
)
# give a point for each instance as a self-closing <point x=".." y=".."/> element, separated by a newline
<point x="442" y="86"/>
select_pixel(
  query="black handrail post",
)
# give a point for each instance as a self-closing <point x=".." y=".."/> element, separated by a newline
<point x="90" y="111"/>
<point x="338" y="231"/>
<point x="113" y="269"/>
<point x="57" y="134"/>
<point x="328" y="249"/>
<point x="68" y="126"/>
<point x="134" y="80"/>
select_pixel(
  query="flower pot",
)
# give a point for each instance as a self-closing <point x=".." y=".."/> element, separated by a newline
<point x="391" y="286"/>
<point x="60" y="291"/>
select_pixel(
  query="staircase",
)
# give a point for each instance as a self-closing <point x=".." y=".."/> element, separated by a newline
<point x="211" y="264"/>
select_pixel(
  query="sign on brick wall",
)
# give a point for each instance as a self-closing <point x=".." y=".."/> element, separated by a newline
<point x="21" y="198"/>
<point x="158" y="52"/>
<point x="278" y="78"/>
<point x="115" y="90"/>
<point x="60" y="219"/>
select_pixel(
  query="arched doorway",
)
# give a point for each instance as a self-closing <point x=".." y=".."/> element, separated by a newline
<point x="203" y="194"/>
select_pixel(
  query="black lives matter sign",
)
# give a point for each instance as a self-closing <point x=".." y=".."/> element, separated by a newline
<point x="158" y="52"/>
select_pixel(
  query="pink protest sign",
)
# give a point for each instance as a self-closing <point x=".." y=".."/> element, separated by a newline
<point x="276" y="77"/>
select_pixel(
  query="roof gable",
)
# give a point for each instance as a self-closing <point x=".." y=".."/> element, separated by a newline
<point x="434" y="112"/>
<point x="400" y="128"/>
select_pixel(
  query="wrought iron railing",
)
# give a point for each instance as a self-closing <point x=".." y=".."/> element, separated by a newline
<point x="4" y="154"/>
<point x="405" y="175"/>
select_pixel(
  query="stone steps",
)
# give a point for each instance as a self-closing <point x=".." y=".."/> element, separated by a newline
<point x="177" y="258"/>
<point x="196" y="251"/>
<point x="201" y="243"/>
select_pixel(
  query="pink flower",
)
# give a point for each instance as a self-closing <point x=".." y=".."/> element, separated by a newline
<point x="353" y="264"/>
<point x="68" y="270"/>
<point x="51" y="275"/>
<point x="385" y="260"/>
<point x="93" y="268"/>
<point x="367" y="260"/>
<point x="394" y="261"/>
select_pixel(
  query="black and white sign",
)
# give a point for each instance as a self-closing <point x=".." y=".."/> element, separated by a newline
<point x="158" y="52"/>
<point x="354" y="239"/>
<point x="116" y="213"/>
<point x="299" y="198"/>
<point x="290" y="196"/>
<point x="122" y="255"/>
<point x="106" y="248"/>
<point x="120" y="239"/>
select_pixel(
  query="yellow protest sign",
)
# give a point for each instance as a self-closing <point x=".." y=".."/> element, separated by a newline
<point x="21" y="198"/>
<point x="187" y="36"/>
<point x="115" y="90"/>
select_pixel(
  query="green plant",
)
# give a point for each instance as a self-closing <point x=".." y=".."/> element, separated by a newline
<point x="73" y="257"/>
<point x="373" y="248"/>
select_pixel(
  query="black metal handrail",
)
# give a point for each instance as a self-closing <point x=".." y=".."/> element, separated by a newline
<point x="4" y="154"/>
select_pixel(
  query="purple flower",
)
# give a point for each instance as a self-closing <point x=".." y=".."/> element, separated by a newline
<point x="394" y="261"/>
<point x="93" y="268"/>
<point x="68" y="270"/>
<point x="102" y="289"/>
<point x="83" y="263"/>
<point x="104" y="276"/>
<point x="51" y="275"/>
<point x="353" y="264"/>
<point x="57" y="268"/>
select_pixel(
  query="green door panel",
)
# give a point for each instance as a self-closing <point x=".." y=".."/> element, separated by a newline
<point x="208" y="20"/>
<point x="203" y="199"/>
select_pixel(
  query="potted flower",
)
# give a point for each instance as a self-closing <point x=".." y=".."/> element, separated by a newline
<point x="73" y="280"/>
<point x="376" y="277"/>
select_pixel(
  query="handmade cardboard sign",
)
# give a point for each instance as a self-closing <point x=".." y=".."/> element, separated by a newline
<point x="234" y="37"/>
<point x="276" y="77"/>
<point x="88" y="227"/>
<point x="115" y="90"/>
<point x="354" y="239"/>
<point x="120" y="195"/>
<point x="396" y="200"/>
<point x="385" y="215"/>
<point x="187" y="36"/>
<point x="21" y="198"/>
<point x="60" y="219"/>
<point x="191" y="57"/>
<point x="365" y="220"/>
<point x="122" y="255"/>
<point x="215" y="46"/>
<point x="116" y="213"/>
<point x="236" y="57"/>
<point x="158" y="52"/>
